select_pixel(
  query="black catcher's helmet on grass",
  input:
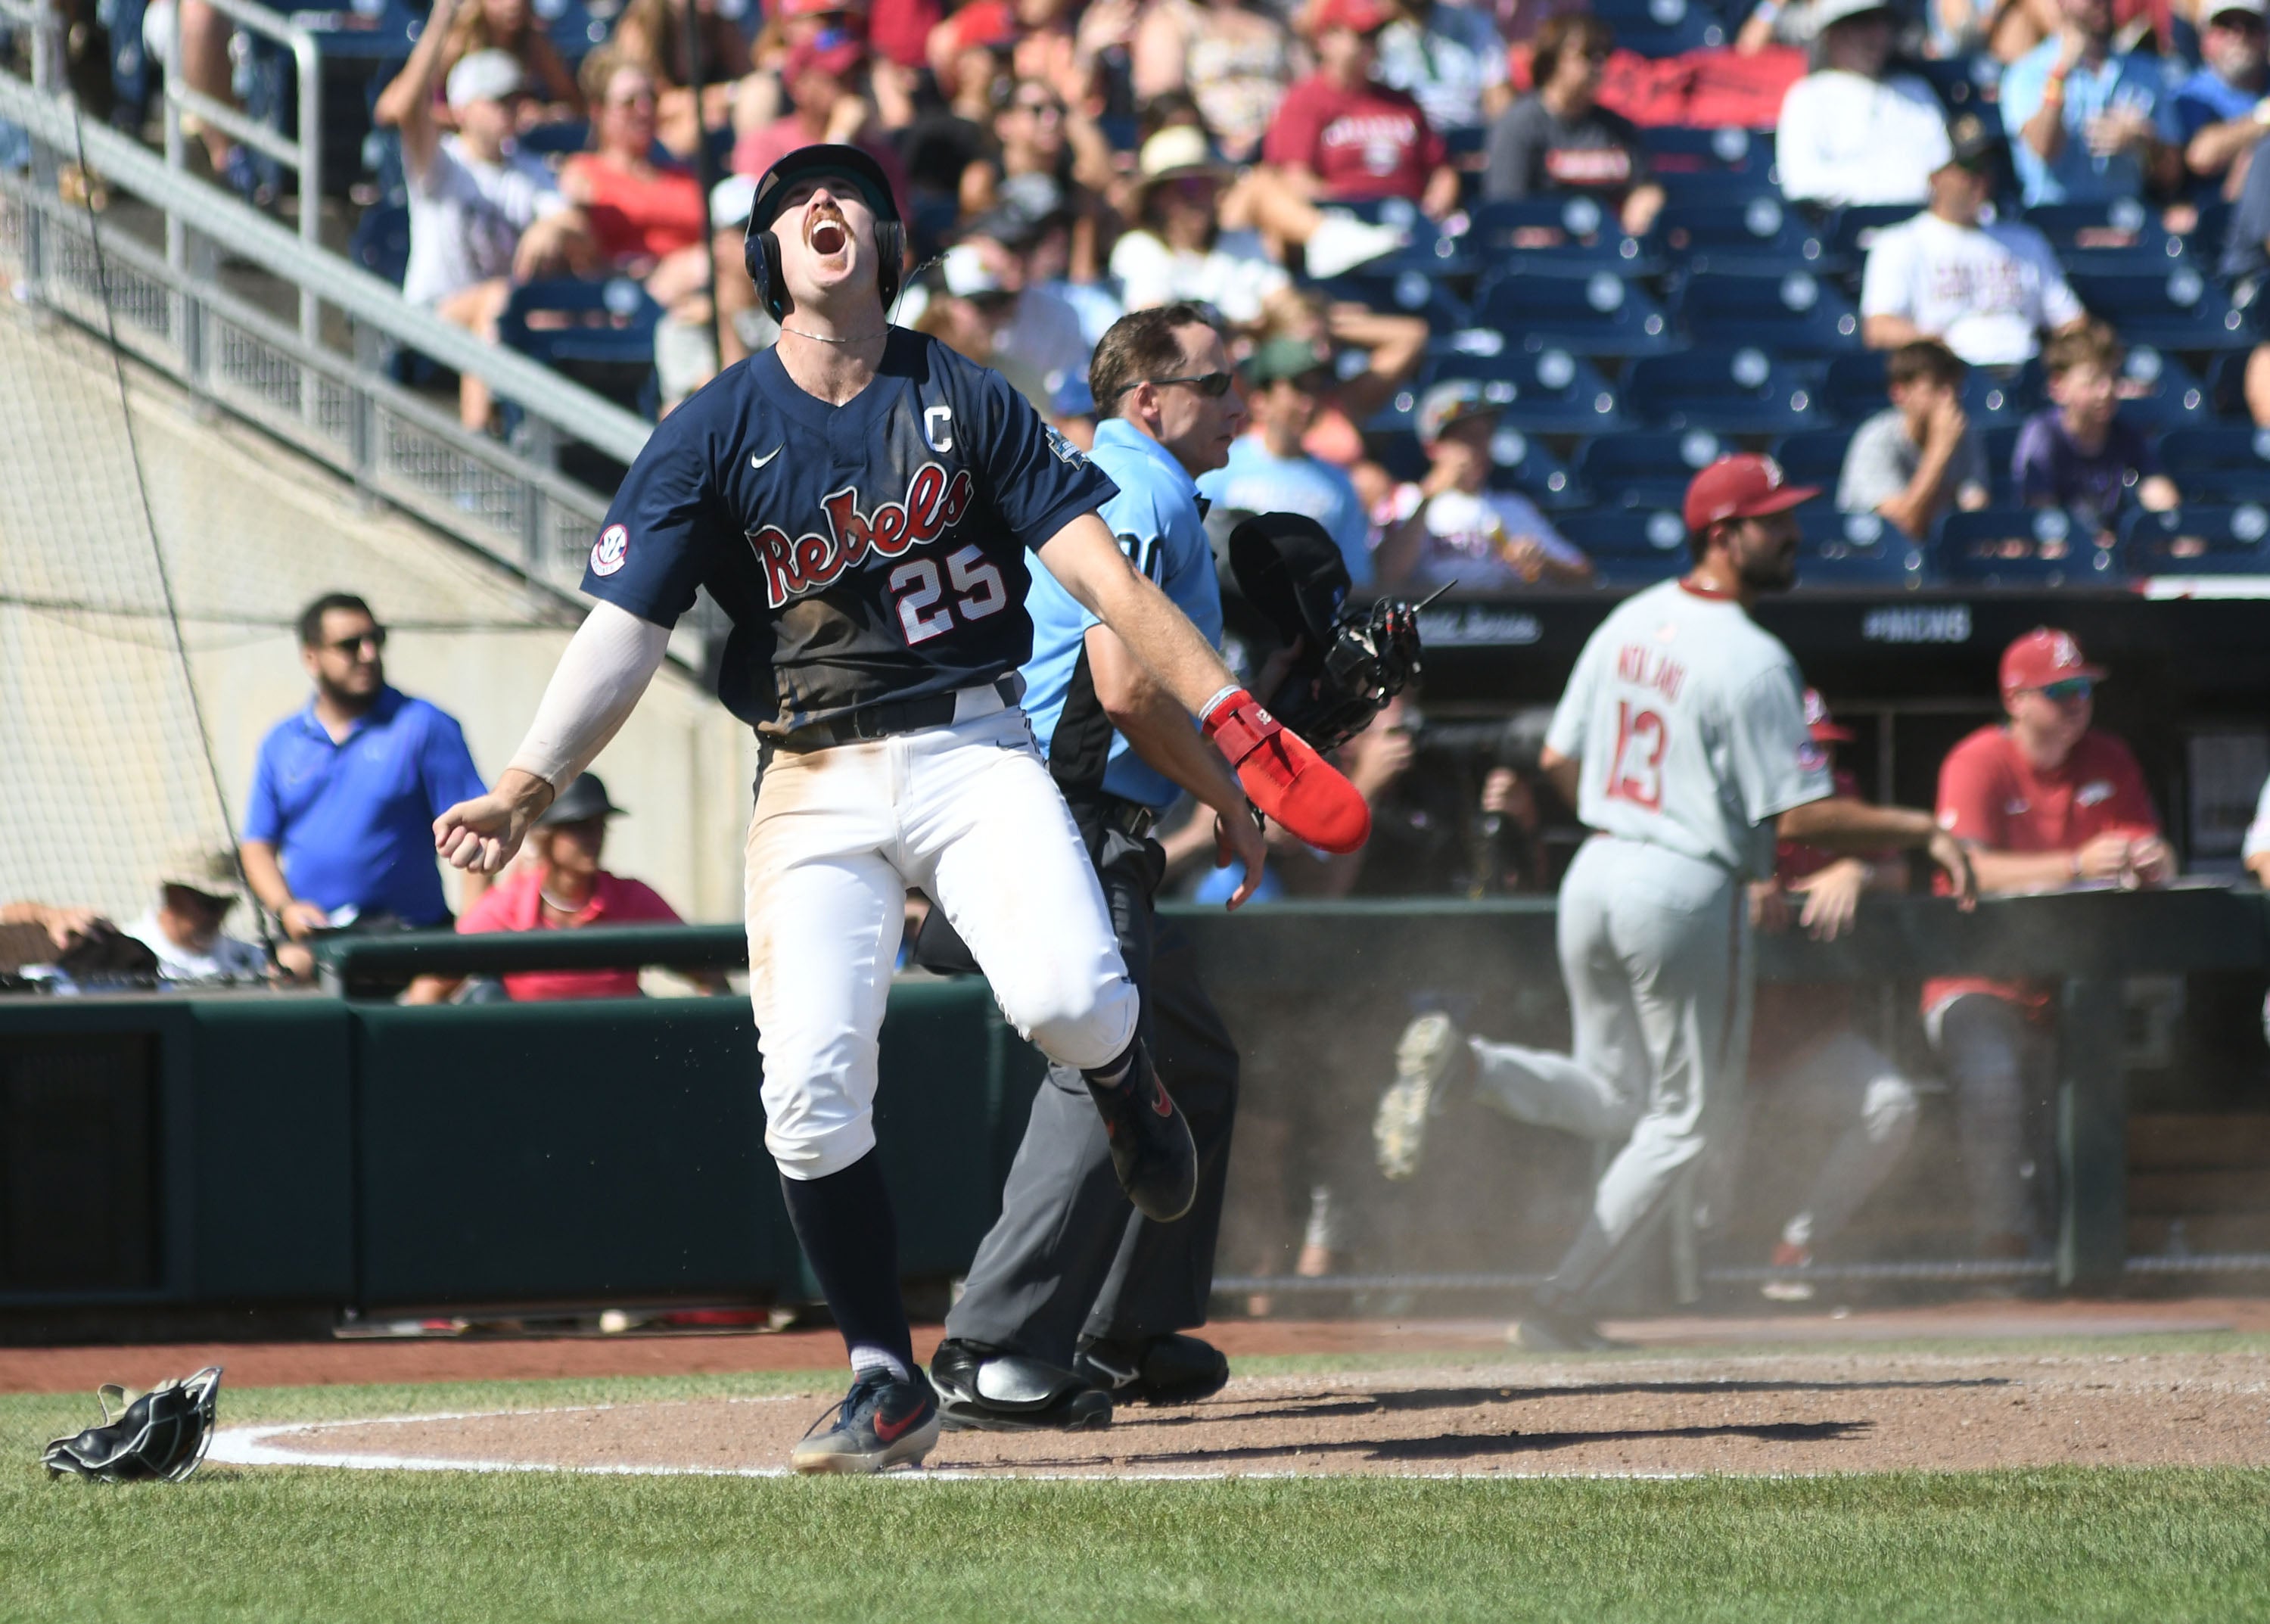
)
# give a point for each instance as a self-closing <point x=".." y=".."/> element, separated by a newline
<point x="761" y="249"/>
<point x="162" y="1434"/>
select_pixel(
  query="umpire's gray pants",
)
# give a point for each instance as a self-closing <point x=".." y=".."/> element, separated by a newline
<point x="1655" y="952"/>
<point x="1069" y="1259"/>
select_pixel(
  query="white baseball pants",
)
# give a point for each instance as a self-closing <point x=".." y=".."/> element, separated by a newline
<point x="966" y="813"/>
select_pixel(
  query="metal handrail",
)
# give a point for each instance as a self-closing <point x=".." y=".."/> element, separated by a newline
<point x="211" y="212"/>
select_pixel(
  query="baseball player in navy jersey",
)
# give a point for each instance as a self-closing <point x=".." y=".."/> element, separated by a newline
<point x="1073" y="1300"/>
<point x="859" y="501"/>
<point x="1682" y="741"/>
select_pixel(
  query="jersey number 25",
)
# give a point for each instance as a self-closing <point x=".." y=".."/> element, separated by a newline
<point x="916" y="586"/>
<point x="1636" y="771"/>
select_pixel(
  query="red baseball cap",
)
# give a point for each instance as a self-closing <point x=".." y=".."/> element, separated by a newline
<point x="1745" y="486"/>
<point x="830" y="52"/>
<point x="2044" y="656"/>
<point x="1820" y="723"/>
<point x="1362" y="16"/>
<point x="984" y="22"/>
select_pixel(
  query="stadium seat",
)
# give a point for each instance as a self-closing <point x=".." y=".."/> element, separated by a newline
<point x="381" y="243"/>
<point x="2180" y="310"/>
<point x="1795" y="315"/>
<point x="599" y="333"/>
<point x="1559" y="236"/>
<point x="555" y="138"/>
<point x="576" y="32"/>
<point x="1677" y="151"/>
<point x="1728" y="391"/>
<point x="1402" y="292"/>
<point x="1853" y="231"/>
<point x="1855" y="550"/>
<point x="2024" y="548"/>
<point x="1629" y="546"/>
<point x="1762" y="237"/>
<point x="1853" y="390"/>
<point x="2118" y="236"/>
<point x="1520" y="462"/>
<point x="1597" y="314"/>
<point x="1963" y="84"/>
<point x="1649" y="469"/>
<point x="2229" y="464"/>
<point x="2198" y="540"/>
<point x="1663" y="27"/>
<point x="1544" y="392"/>
<point x="1815" y="458"/>
<point x="1724" y="188"/>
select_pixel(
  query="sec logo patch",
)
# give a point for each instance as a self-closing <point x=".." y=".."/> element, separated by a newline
<point x="612" y="551"/>
<point x="1811" y="757"/>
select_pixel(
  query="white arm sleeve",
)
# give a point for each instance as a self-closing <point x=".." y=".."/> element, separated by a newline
<point x="597" y="685"/>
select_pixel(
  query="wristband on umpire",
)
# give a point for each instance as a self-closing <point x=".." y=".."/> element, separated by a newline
<point x="1287" y="780"/>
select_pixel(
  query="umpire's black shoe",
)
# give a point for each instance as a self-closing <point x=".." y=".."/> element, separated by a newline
<point x="982" y="1389"/>
<point x="1152" y="1149"/>
<point x="1169" y="1369"/>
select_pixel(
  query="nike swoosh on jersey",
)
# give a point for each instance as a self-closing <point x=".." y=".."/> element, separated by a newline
<point x="759" y="461"/>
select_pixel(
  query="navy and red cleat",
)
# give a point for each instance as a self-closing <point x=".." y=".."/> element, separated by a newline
<point x="882" y="1422"/>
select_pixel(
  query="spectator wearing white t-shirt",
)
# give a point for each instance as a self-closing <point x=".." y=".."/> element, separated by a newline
<point x="1988" y="290"/>
<point x="196" y="890"/>
<point x="481" y="215"/>
<point x="1178" y="249"/>
<point x="1849" y="134"/>
<point x="1459" y="530"/>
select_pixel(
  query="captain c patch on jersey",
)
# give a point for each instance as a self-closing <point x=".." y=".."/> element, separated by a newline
<point x="933" y="504"/>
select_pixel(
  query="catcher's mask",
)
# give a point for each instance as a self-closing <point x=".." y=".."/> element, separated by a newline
<point x="162" y="1434"/>
<point x="1352" y="662"/>
<point x="760" y="248"/>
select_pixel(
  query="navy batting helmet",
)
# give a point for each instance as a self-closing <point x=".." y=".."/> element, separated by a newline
<point x="761" y="249"/>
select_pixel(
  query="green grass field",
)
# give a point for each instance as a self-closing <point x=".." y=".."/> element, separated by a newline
<point x="270" y="1545"/>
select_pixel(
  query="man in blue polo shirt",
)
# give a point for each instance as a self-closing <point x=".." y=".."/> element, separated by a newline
<point x="339" y="828"/>
<point x="1075" y="1300"/>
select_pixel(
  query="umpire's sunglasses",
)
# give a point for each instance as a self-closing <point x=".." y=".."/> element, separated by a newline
<point x="1213" y="385"/>
<point x="2072" y="691"/>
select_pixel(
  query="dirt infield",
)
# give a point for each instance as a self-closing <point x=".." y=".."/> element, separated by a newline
<point x="1803" y="1413"/>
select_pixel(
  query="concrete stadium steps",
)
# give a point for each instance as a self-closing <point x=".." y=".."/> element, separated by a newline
<point x="104" y="772"/>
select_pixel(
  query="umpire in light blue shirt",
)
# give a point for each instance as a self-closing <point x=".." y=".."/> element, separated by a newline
<point x="339" y="830"/>
<point x="1076" y="1301"/>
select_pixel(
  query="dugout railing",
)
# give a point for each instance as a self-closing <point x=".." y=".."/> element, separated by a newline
<point x="339" y="1151"/>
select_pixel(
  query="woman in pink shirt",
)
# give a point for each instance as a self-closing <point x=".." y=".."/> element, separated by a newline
<point x="565" y="889"/>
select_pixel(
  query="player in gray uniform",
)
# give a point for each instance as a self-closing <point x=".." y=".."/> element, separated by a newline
<point x="1682" y="741"/>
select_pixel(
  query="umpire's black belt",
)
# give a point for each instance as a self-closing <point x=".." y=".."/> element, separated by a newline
<point x="936" y="710"/>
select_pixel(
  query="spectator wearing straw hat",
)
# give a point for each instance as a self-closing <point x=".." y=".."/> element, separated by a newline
<point x="565" y="888"/>
<point x="1178" y="249"/>
<point x="1459" y="530"/>
<point x="197" y="887"/>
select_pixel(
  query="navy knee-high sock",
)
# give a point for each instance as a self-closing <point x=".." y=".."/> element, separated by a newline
<point x="844" y="1224"/>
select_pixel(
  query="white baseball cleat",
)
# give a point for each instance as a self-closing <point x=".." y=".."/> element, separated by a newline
<point x="1430" y="1050"/>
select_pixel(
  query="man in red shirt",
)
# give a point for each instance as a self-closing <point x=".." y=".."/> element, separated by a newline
<point x="2044" y="802"/>
<point x="1342" y="136"/>
<point x="564" y="889"/>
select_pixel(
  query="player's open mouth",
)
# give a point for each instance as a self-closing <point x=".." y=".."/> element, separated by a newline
<point x="827" y="234"/>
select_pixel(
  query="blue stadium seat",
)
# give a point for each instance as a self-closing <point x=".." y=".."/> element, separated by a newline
<point x="1815" y="458"/>
<point x="1402" y="292"/>
<point x="1762" y="237"/>
<point x="2024" y="548"/>
<point x="1573" y="234"/>
<point x="1855" y="550"/>
<point x="1728" y="189"/>
<point x="1663" y="27"/>
<point x="1544" y="392"/>
<point x="2118" y="236"/>
<point x="1964" y="84"/>
<point x="2181" y="310"/>
<point x="1726" y="390"/>
<point x="2222" y="464"/>
<point x="599" y="333"/>
<point x="1522" y="463"/>
<point x="1599" y="315"/>
<point x="576" y="32"/>
<point x="2198" y="540"/>
<point x="1649" y="469"/>
<point x="1853" y="231"/>
<point x="381" y="243"/>
<point x="1854" y="390"/>
<point x="1680" y="150"/>
<point x="1795" y="315"/>
<point x="1629" y="546"/>
<point x="555" y="138"/>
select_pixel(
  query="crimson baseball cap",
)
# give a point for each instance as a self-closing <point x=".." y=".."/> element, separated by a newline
<point x="2044" y="656"/>
<point x="1362" y="16"/>
<point x="1743" y="487"/>
<point x="1820" y="723"/>
<point x="836" y="55"/>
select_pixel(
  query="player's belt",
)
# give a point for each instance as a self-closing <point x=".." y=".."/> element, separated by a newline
<point x="1129" y="818"/>
<point x="937" y="710"/>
